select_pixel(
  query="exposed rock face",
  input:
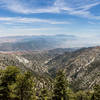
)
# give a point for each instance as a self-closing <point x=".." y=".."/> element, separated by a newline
<point x="32" y="60"/>
<point x="82" y="66"/>
<point x="41" y="79"/>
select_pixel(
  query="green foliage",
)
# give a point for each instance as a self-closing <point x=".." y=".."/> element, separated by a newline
<point x="96" y="95"/>
<point x="17" y="85"/>
<point x="44" y="94"/>
<point x="7" y="78"/>
<point x="83" y="95"/>
<point x="25" y="86"/>
<point x="60" y="86"/>
<point x="71" y="94"/>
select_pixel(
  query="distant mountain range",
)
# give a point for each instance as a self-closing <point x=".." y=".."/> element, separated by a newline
<point x="29" y="43"/>
<point x="44" y="55"/>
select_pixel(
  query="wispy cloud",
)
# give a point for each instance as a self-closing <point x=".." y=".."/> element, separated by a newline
<point x="14" y="5"/>
<point x="27" y="8"/>
<point x="30" y="20"/>
<point x="30" y="31"/>
<point x="79" y="7"/>
<point x="72" y="7"/>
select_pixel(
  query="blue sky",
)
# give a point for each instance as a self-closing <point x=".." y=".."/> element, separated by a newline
<point x="49" y="17"/>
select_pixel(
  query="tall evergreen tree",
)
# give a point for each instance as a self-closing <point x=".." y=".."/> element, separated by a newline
<point x="25" y="86"/>
<point x="71" y="94"/>
<point x="7" y="78"/>
<point x="93" y="97"/>
<point x="96" y="95"/>
<point x="43" y="94"/>
<point x="60" y="86"/>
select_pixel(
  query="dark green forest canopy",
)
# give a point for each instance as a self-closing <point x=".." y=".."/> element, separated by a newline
<point x="18" y="85"/>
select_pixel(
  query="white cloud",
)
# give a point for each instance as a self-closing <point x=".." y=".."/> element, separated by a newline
<point x="29" y="31"/>
<point x="23" y="7"/>
<point x="73" y="7"/>
<point x="14" y="5"/>
<point x="79" y="7"/>
<point x="92" y="23"/>
<point x="30" y="20"/>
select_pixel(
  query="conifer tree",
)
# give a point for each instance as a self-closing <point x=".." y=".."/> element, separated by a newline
<point x="83" y="95"/>
<point x="25" y="86"/>
<point x="43" y="94"/>
<point x="93" y="97"/>
<point x="7" y="78"/>
<point x="96" y="95"/>
<point x="60" y="86"/>
<point x="71" y="94"/>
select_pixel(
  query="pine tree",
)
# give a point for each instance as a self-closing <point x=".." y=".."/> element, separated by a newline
<point x="43" y="94"/>
<point x="71" y="94"/>
<point x="96" y="95"/>
<point x="7" y="78"/>
<point x="83" y="95"/>
<point x="25" y="86"/>
<point x="93" y="97"/>
<point x="60" y="86"/>
<point x="80" y="95"/>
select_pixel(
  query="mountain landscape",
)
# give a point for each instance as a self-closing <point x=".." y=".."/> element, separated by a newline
<point x="49" y="49"/>
<point x="29" y="43"/>
<point x="81" y="65"/>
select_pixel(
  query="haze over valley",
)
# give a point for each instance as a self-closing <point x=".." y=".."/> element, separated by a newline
<point x="49" y="49"/>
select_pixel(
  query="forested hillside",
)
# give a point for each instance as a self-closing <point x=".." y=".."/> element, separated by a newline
<point x="80" y="68"/>
<point x="18" y="85"/>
